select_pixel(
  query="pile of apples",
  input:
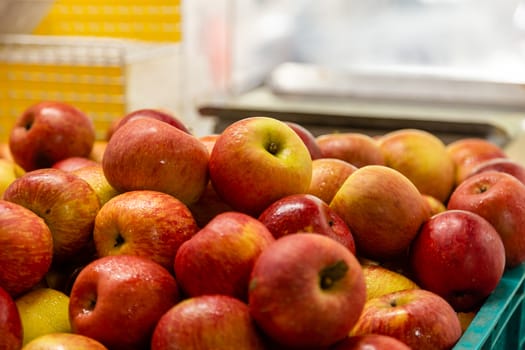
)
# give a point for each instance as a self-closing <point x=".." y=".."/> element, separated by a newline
<point x="260" y="237"/>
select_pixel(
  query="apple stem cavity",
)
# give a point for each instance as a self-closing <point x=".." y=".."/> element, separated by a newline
<point x="332" y="273"/>
<point x="119" y="240"/>
<point x="272" y="147"/>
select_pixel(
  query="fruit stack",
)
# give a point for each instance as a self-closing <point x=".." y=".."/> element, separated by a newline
<point x="260" y="237"/>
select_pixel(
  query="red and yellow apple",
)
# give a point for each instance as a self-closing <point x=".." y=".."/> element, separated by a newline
<point x="328" y="174"/>
<point x="382" y="280"/>
<point x="308" y="138"/>
<point x="355" y="148"/>
<point x="62" y="341"/>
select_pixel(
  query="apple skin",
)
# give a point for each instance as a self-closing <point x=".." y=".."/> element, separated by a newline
<point x="11" y="331"/>
<point x="422" y="157"/>
<point x="383" y="209"/>
<point x="27" y="248"/>
<point x="67" y="204"/>
<point x="370" y="342"/>
<point x="9" y="172"/>
<point x="73" y="163"/>
<point x="497" y="197"/>
<point x="148" y="154"/>
<point x="49" y="131"/>
<point x="355" y="148"/>
<point x="419" y="318"/>
<point x="382" y="280"/>
<point x="328" y="174"/>
<point x="61" y="341"/>
<point x="97" y="152"/>
<point x="256" y="161"/>
<point x="117" y="300"/>
<point x="463" y="242"/>
<point x="146" y="223"/>
<point x="506" y="165"/>
<point x="467" y="153"/>
<point x="94" y="176"/>
<point x="308" y="138"/>
<point x="306" y="213"/>
<point x="306" y="290"/>
<point x="162" y="115"/>
<point x="218" y="259"/>
<point x="207" y="322"/>
<point x="435" y="206"/>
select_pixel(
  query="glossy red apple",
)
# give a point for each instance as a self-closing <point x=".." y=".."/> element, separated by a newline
<point x="217" y="322"/>
<point x="62" y="341"/>
<point x="67" y="203"/>
<point x="306" y="290"/>
<point x="11" y="332"/>
<point x="355" y="148"/>
<point x="306" y="213"/>
<point x="328" y="174"/>
<point x="506" y="165"/>
<point x="148" y="154"/>
<point x="74" y="163"/>
<point x="162" y="115"/>
<point x="497" y="197"/>
<point x="27" y="248"/>
<point x="118" y="300"/>
<point x="145" y="223"/>
<point x="462" y="242"/>
<point x="419" y="318"/>
<point x="256" y="161"/>
<point x="218" y="259"/>
<point x="50" y="131"/>
<point x="372" y="341"/>
<point x="308" y="139"/>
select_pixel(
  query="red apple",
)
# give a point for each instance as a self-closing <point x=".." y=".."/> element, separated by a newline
<point x="218" y="259"/>
<point x="355" y="148"/>
<point x="497" y="197"/>
<point x="328" y="174"/>
<point x="73" y="163"/>
<point x="423" y="158"/>
<point x="306" y="290"/>
<point x="62" y="341"/>
<point x="419" y="318"/>
<point x="118" y="300"/>
<point x="207" y="322"/>
<point x="145" y="223"/>
<point x="506" y="165"/>
<point x="383" y="209"/>
<point x="306" y="213"/>
<point x="11" y="332"/>
<point x="50" y="131"/>
<point x="258" y="160"/>
<point x="67" y="204"/>
<point x="27" y="248"/>
<point x="308" y="139"/>
<point x="462" y="242"/>
<point x="372" y="341"/>
<point x="148" y="154"/>
<point x="467" y="153"/>
<point x="162" y="115"/>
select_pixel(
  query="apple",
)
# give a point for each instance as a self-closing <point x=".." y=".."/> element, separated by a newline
<point x="148" y="154"/>
<point x="372" y="341"/>
<point x="112" y="128"/>
<point x="422" y="157"/>
<point x="5" y="152"/>
<point x="117" y="300"/>
<point x="11" y="332"/>
<point x="435" y="206"/>
<point x="256" y="161"/>
<point x="462" y="242"/>
<point x="67" y="204"/>
<point x="207" y="322"/>
<point x="506" y="165"/>
<point x="308" y="138"/>
<point x="497" y="197"/>
<point x="49" y="131"/>
<point x="306" y="290"/>
<point x="355" y="148"/>
<point x="218" y="259"/>
<point x="162" y="115"/>
<point x="467" y="153"/>
<point x="61" y="341"/>
<point x="9" y="172"/>
<point x="382" y="280"/>
<point x="306" y="213"/>
<point x="27" y="248"/>
<point x="73" y="163"/>
<point x="145" y="223"/>
<point x="97" y="152"/>
<point x="94" y="176"/>
<point x="328" y="174"/>
<point x="417" y="317"/>
<point x="383" y="209"/>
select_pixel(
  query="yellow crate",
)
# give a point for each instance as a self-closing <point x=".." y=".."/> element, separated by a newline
<point x="150" y="20"/>
<point x="103" y="77"/>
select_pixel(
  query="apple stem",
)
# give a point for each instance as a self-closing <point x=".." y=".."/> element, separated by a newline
<point x="272" y="147"/>
<point x="332" y="273"/>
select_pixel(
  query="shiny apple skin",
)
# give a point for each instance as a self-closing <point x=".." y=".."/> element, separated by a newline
<point x="63" y="341"/>
<point x="49" y="131"/>
<point x="308" y="139"/>
<point x="306" y="213"/>
<point x="158" y="114"/>
<point x="74" y="163"/>
<point x="355" y="148"/>
<point x="328" y="174"/>
<point x="11" y="331"/>
<point x="370" y="342"/>
<point x="506" y="165"/>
